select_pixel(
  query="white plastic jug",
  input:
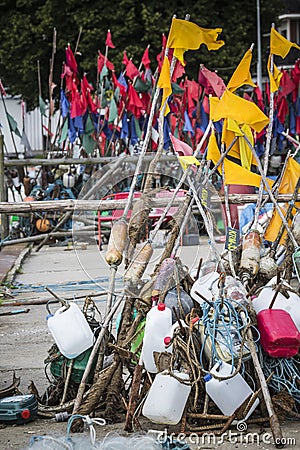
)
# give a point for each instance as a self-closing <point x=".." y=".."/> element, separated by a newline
<point x="207" y="286"/>
<point x="158" y="325"/>
<point x="290" y="305"/>
<point x="70" y="331"/>
<point x="228" y="394"/>
<point x="167" y="398"/>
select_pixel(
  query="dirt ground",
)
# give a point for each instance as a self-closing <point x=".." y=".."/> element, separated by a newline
<point x="25" y="341"/>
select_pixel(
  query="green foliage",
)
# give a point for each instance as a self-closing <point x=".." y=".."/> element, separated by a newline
<point x="26" y="35"/>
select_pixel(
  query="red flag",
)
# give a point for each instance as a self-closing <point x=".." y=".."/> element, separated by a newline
<point x="180" y="147"/>
<point x="91" y="105"/>
<point x="85" y="84"/>
<point x="134" y="103"/>
<point x="77" y="109"/>
<point x="260" y="100"/>
<point x="125" y="59"/>
<point x="161" y="55"/>
<point x="101" y="62"/>
<point x="131" y="70"/>
<point x="178" y="71"/>
<point x="145" y="59"/>
<point x="286" y="84"/>
<point x="108" y="41"/>
<point x="70" y="59"/>
<point x="110" y="65"/>
<point x="283" y="109"/>
<point x="2" y="90"/>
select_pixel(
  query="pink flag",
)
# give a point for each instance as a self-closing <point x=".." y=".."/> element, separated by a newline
<point x="212" y="83"/>
<point x="108" y="41"/>
<point x="181" y="148"/>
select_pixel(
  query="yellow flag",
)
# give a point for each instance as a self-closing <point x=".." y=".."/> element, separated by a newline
<point x="237" y="108"/>
<point x="185" y="35"/>
<point x="275" y="77"/>
<point x="290" y="177"/>
<point x="287" y="186"/>
<point x="186" y="161"/>
<point x="279" y="45"/>
<point x="242" y="73"/>
<point x="274" y="226"/>
<point x="164" y="82"/>
<point x="234" y="174"/>
<point x="240" y="149"/>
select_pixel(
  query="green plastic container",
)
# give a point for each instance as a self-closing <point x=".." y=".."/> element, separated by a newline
<point x="58" y="366"/>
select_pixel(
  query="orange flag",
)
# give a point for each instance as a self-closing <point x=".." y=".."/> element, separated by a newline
<point x="164" y="82"/>
<point x="242" y="74"/>
<point x="279" y="45"/>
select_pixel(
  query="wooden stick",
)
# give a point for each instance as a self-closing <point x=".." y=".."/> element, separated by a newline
<point x="274" y="422"/>
<point x="134" y="394"/>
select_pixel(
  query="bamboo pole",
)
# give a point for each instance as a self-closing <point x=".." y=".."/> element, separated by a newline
<point x="40" y="96"/>
<point x="3" y="191"/>
<point x="274" y="422"/>
<point x="82" y="161"/>
<point x="51" y="88"/>
<point x="109" y="205"/>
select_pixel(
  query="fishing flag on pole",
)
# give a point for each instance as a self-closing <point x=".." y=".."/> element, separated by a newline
<point x="274" y="77"/>
<point x="279" y="45"/>
<point x="234" y="107"/>
<point x="242" y="74"/>
<point x="234" y="173"/>
<point x="145" y="59"/>
<point x="109" y="42"/>
<point x="164" y="82"/>
<point x="185" y="35"/>
<point x="181" y="147"/>
<point x="70" y="59"/>
<point x="13" y="126"/>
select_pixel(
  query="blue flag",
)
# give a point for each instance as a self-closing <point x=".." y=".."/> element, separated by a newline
<point x="64" y="104"/>
<point x="187" y="124"/>
<point x="124" y="130"/>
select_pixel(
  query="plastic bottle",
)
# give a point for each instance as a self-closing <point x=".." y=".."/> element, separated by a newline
<point x="164" y="275"/>
<point x="228" y="394"/>
<point x="158" y="325"/>
<point x="207" y="286"/>
<point x="167" y="398"/>
<point x="236" y="290"/>
<point x="70" y="330"/>
<point x="279" y="335"/>
<point x="182" y="305"/>
<point x="290" y="305"/>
